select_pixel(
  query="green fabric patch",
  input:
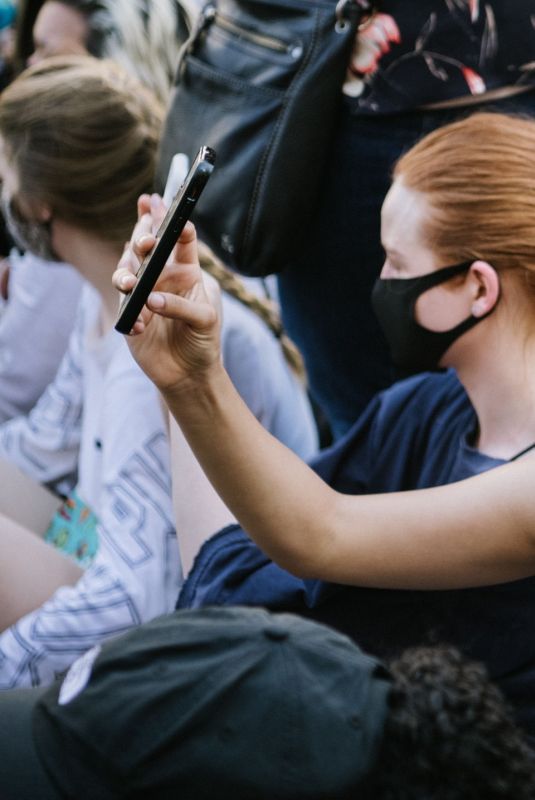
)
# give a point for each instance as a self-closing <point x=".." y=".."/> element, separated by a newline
<point x="73" y="530"/>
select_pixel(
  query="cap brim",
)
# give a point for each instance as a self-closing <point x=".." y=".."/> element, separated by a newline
<point x="22" y="776"/>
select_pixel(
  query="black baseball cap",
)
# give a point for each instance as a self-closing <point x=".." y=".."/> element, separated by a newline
<point x="219" y="702"/>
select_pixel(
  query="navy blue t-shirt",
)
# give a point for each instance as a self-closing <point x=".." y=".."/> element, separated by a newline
<point x="416" y="434"/>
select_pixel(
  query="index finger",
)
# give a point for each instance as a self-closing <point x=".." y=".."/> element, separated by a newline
<point x="186" y="251"/>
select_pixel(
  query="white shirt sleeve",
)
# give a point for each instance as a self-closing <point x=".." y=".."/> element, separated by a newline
<point x="35" y="325"/>
<point x="45" y="443"/>
<point x="254" y="360"/>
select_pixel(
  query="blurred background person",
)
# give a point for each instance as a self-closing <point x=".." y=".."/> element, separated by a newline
<point x="78" y="145"/>
<point x="145" y="37"/>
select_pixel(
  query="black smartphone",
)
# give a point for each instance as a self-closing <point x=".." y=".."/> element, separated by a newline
<point x="166" y="237"/>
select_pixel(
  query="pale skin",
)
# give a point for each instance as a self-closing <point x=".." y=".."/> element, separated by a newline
<point x="58" y="30"/>
<point x="30" y="571"/>
<point x="479" y="531"/>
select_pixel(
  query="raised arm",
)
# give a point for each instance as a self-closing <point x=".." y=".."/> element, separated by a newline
<point x="476" y="532"/>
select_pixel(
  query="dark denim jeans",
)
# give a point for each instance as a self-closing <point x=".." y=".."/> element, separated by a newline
<point x="325" y="294"/>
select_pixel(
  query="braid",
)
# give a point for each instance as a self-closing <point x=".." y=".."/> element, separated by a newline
<point x="266" y="310"/>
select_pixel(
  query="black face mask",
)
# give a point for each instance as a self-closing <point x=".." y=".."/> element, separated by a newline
<point x="414" y="348"/>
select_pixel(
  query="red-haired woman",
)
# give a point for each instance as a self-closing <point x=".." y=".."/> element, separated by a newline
<point x="457" y="290"/>
<point x="415" y="67"/>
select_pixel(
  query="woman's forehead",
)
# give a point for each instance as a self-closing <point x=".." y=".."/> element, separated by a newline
<point x="403" y="216"/>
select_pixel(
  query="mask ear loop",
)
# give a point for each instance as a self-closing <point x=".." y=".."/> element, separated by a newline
<point x="444" y="274"/>
<point x="430" y="280"/>
<point x="470" y="321"/>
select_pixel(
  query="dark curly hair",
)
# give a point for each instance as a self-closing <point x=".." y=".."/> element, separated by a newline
<point x="449" y="734"/>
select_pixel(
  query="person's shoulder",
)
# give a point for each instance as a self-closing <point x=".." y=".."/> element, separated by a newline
<point x="437" y="387"/>
<point x="249" y="346"/>
<point x="240" y="319"/>
<point x="408" y="403"/>
<point x="414" y="402"/>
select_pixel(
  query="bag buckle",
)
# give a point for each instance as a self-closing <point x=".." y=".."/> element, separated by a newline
<point x="349" y="10"/>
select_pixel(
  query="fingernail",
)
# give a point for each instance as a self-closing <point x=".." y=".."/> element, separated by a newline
<point x="123" y="283"/>
<point x="143" y="240"/>
<point x="155" y="201"/>
<point x="156" y="300"/>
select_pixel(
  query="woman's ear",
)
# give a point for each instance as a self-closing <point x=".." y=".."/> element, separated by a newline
<point x="32" y="209"/>
<point x="43" y="213"/>
<point x="486" y="287"/>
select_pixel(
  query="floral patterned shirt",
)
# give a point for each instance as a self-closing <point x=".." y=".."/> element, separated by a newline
<point x="409" y="55"/>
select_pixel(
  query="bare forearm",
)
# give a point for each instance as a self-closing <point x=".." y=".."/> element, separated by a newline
<point x="479" y="531"/>
<point x="471" y="533"/>
<point x="275" y="496"/>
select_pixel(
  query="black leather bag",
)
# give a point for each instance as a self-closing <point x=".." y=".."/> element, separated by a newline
<point x="260" y="82"/>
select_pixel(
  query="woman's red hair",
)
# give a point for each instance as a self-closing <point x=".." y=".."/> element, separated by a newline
<point x="479" y="176"/>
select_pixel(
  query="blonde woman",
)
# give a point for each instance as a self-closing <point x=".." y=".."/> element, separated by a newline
<point x="78" y="142"/>
<point x="457" y="291"/>
<point x="145" y="38"/>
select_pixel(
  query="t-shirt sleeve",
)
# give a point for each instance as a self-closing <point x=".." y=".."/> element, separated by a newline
<point x="30" y="353"/>
<point x="255" y="363"/>
<point x="231" y="570"/>
<point x="45" y="444"/>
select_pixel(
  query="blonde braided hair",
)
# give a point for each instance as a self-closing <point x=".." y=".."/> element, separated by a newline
<point x="266" y="309"/>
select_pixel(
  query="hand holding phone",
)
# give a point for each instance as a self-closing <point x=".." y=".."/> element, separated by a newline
<point x="166" y="238"/>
